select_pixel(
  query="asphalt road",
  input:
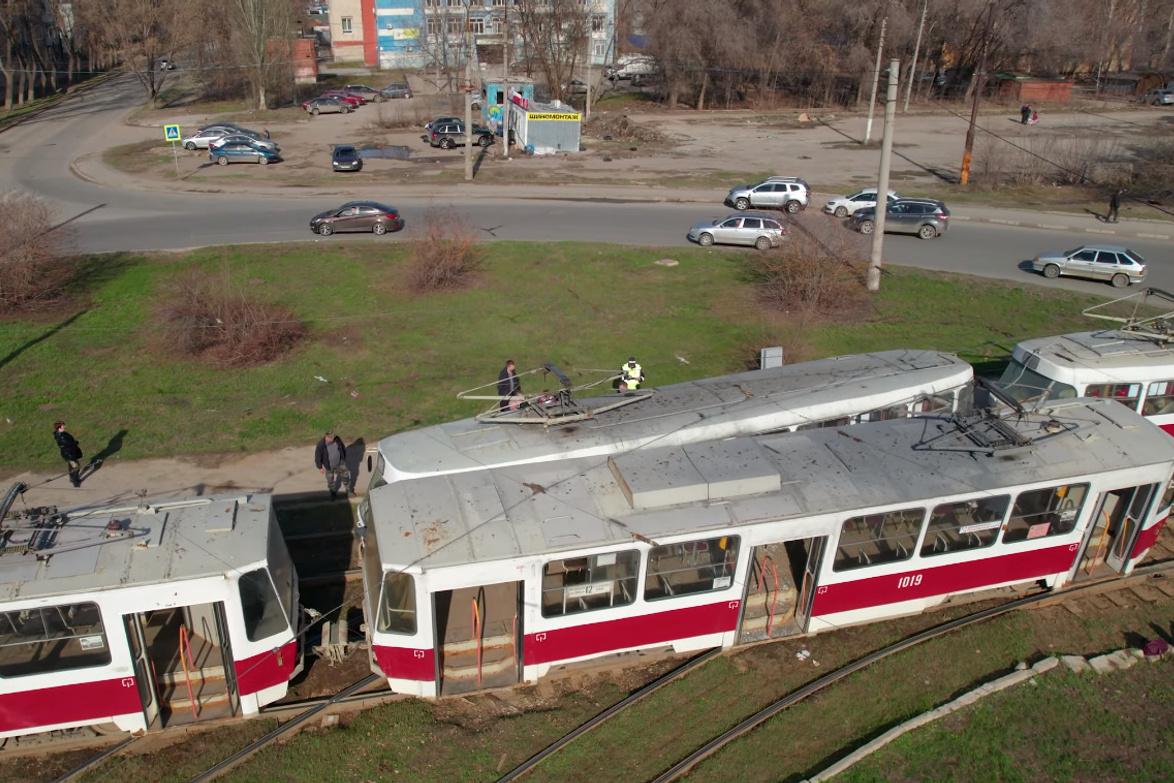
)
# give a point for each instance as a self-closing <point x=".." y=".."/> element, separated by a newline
<point x="36" y="156"/>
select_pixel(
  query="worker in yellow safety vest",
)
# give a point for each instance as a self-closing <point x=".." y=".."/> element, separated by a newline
<point x="631" y="374"/>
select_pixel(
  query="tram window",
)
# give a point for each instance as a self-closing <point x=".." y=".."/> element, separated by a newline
<point x="878" y="538"/>
<point x="966" y="524"/>
<point x="583" y="584"/>
<point x="263" y="614"/>
<point x="1125" y="393"/>
<point x="818" y="425"/>
<point x="397" y="604"/>
<point x="1029" y="386"/>
<point x="1159" y="399"/>
<point x="52" y="639"/>
<point x="884" y="414"/>
<point x="691" y="567"/>
<point x="1039" y="513"/>
<point x="933" y="403"/>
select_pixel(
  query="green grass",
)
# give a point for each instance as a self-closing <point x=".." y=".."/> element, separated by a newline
<point x="101" y="364"/>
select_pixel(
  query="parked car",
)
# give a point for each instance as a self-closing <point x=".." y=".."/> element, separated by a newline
<point x="925" y="217"/>
<point x="326" y="106"/>
<point x="369" y="94"/>
<point x="743" y="228"/>
<point x="845" y="206"/>
<point x="346" y="158"/>
<point x="632" y="66"/>
<point x="357" y="216"/>
<point x="205" y="138"/>
<point x="229" y="125"/>
<point x="397" y="90"/>
<point x="428" y="126"/>
<point x="1119" y="265"/>
<point x="240" y="138"/>
<point x="452" y="134"/>
<point x="239" y="152"/>
<point x="166" y="64"/>
<point x="345" y="96"/>
<point x="1158" y="97"/>
<point x="787" y="193"/>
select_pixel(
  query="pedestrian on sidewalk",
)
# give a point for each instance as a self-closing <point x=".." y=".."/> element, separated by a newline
<point x="330" y="459"/>
<point x="1024" y="113"/>
<point x="1114" y="205"/>
<point x="71" y="452"/>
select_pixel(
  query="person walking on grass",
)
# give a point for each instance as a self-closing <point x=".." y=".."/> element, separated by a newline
<point x="71" y="452"/>
<point x="1114" y="206"/>
<point x="330" y="459"/>
<point x="508" y="385"/>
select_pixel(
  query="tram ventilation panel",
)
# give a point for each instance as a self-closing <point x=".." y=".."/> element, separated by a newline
<point x="694" y="473"/>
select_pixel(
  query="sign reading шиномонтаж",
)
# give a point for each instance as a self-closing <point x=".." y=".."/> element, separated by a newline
<point x="562" y="117"/>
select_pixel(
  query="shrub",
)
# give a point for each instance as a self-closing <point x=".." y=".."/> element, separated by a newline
<point x="35" y="260"/>
<point x="211" y="318"/>
<point x="811" y="277"/>
<point x="444" y="253"/>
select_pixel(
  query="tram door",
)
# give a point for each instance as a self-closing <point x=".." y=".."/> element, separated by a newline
<point x="143" y="677"/>
<point x="1118" y="518"/>
<point x="777" y="601"/>
<point x="478" y="633"/>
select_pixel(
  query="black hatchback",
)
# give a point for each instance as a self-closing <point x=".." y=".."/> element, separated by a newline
<point x="357" y="216"/>
<point x="346" y="158"/>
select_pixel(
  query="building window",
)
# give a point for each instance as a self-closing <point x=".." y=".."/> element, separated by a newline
<point x="1045" y="512"/>
<point x="581" y="584"/>
<point x="347" y="25"/>
<point x="52" y="639"/>
<point x="456" y="25"/>
<point x="499" y="3"/>
<point x="878" y="538"/>
<point x="454" y="3"/>
<point x="477" y="24"/>
<point x="435" y="26"/>
<point x="691" y="567"/>
<point x="598" y="23"/>
<point x="432" y="3"/>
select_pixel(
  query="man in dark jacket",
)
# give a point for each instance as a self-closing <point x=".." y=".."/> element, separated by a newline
<point x="70" y="452"/>
<point x="508" y="384"/>
<point x="330" y="459"/>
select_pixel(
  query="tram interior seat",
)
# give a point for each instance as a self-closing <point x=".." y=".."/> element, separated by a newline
<point x="1158" y="406"/>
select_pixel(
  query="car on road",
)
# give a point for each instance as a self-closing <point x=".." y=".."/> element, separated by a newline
<point x="787" y="193"/>
<point x="240" y="138"/>
<point x="741" y="228"/>
<point x="357" y="216"/>
<point x="240" y="152"/>
<point x="1158" y="97"/>
<point x="396" y="90"/>
<point x="1119" y="265"/>
<point x="922" y="216"/>
<point x="452" y="134"/>
<point x="846" y="206"/>
<point x="346" y="158"/>
<point x="166" y="64"/>
<point x="326" y="106"/>
<point x="369" y="94"/>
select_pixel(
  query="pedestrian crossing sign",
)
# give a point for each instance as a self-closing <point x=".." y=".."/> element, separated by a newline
<point x="171" y="132"/>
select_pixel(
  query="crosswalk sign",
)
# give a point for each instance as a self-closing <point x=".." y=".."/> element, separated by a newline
<point x="171" y="132"/>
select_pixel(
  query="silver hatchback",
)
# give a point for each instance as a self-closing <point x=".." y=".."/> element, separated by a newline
<point x="1119" y="265"/>
<point x="747" y="228"/>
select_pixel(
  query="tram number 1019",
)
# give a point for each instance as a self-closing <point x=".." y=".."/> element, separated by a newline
<point x="909" y="581"/>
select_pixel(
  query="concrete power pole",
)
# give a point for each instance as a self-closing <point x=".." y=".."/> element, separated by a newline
<point x="916" y="53"/>
<point x="505" y="84"/>
<point x="590" y="54"/>
<point x="880" y="48"/>
<point x="980" y="77"/>
<point x="882" y="186"/>
<point x="468" y="85"/>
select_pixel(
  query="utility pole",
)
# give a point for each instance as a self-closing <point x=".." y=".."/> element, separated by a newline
<point x="964" y="176"/>
<point x="505" y="83"/>
<point x="590" y="54"/>
<point x="468" y="97"/>
<point x="916" y="53"/>
<point x="880" y="47"/>
<point x="876" y="260"/>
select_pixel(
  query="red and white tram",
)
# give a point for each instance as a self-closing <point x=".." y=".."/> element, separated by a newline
<point x="144" y="615"/>
<point x="488" y="578"/>
<point x="822" y="393"/>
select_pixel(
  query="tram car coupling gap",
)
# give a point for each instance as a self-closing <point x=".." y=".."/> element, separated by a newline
<point x="144" y="616"/>
<point x="491" y="577"/>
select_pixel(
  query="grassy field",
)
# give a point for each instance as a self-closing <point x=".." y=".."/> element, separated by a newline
<point x="394" y="359"/>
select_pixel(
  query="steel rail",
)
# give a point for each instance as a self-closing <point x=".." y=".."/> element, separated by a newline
<point x="87" y="765"/>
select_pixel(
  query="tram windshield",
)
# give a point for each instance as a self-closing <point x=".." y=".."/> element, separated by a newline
<point x="1029" y="386"/>
<point x="281" y="568"/>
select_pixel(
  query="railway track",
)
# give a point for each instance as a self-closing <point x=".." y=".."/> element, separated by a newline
<point x="1141" y="583"/>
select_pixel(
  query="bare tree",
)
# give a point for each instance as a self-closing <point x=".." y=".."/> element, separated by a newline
<point x="554" y="39"/>
<point x="263" y="36"/>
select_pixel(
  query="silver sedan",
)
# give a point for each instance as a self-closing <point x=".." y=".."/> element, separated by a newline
<point x="1119" y="265"/>
<point x="757" y="231"/>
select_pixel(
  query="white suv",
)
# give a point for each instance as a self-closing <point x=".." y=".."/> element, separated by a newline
<point x="786" y="193"/>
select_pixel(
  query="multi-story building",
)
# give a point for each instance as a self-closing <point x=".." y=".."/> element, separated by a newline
<point x="423" y="33"/>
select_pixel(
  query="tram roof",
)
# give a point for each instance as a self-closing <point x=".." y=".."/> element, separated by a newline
<point x="100" y="548"/>
<point x="1103" y="351"/>
<point x="546" y="508"/>
<point x="745" y="403"/>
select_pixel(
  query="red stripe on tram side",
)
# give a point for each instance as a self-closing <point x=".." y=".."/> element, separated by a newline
<point x="77" y="703"/>
<point x="406" y="663"/>
<point x="646" y="629"/>
<point x="1147" y="538"/>
<point x="267" y="669"/>
<point x="1169" y="428"/>
<point x="925" y="582"/>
